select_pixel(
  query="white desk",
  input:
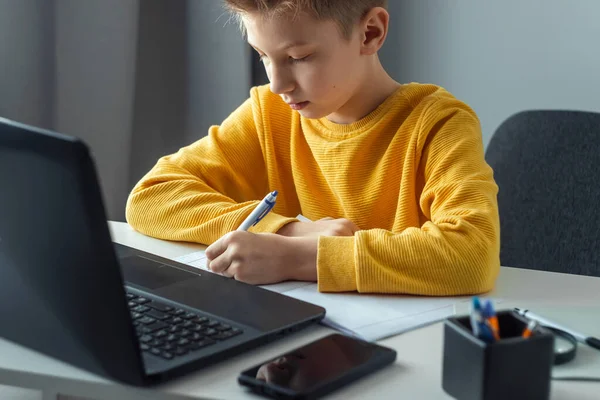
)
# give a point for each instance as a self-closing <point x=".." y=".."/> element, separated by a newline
<point x="415" y="375"/>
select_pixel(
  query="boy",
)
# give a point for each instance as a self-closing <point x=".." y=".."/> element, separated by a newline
<point x="393" y="175"/>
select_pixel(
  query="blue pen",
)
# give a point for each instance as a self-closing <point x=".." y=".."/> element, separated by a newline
<point x="260" y="211"/>
<point x="475" y="315"/>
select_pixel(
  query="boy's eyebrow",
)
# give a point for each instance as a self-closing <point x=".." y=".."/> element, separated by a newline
<point x="286" y="46"/>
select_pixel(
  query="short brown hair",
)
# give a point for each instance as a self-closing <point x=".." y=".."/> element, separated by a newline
<point x="344" y="12"/>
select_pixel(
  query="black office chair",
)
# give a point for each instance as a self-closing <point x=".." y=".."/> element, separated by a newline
<point x="547" y="165"/>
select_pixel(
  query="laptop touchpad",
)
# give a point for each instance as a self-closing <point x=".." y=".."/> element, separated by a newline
<point x="150" y="274"/>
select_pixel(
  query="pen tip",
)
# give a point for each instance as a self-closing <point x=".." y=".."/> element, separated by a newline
<point x="275" y="193"/>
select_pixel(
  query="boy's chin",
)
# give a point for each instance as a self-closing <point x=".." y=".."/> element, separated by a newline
<point x="312" y="114"/>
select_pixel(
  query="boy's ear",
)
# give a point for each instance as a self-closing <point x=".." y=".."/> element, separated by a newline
<point x="373" y="30"/>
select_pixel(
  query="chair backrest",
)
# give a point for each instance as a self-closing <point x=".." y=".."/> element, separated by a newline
<point x="547" y="166"/>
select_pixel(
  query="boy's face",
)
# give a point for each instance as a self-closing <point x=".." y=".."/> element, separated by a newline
<point x="309" y="63"/>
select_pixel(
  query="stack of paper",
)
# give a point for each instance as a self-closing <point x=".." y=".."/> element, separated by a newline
<point x="371" y="317"/>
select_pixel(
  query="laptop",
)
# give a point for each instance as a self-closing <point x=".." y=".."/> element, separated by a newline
<point x="68" y="291"/>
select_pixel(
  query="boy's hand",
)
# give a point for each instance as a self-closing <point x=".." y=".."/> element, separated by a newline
<point x="322" y="227"/>
<point x="263" y="258"/>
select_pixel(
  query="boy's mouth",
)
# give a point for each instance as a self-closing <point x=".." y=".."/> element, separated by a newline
<point x="298" y="106"/>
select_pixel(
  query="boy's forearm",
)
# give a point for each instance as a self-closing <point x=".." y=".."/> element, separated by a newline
<point x="303" y="258"/>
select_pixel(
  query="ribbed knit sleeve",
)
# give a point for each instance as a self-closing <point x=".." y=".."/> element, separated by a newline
<point x="456" y="250"/>
<point x="208" y="188"/>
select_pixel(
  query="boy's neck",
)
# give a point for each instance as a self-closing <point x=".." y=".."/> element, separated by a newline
<point x="368" y="96"/>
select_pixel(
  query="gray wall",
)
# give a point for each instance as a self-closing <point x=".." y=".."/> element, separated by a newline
<point x="26" y="74"/>
<point x="95" y="68"/>
<point x="219" y="65"/>
<point x="500" y="56"/>
<point x="134" y="79"/>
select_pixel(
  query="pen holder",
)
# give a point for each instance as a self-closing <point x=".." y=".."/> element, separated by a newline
<point x="511" y="368"/>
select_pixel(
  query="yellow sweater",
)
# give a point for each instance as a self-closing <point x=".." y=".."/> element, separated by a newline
<point x="411" y="175"/>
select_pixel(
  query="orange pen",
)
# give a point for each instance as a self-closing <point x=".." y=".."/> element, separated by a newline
<point x="491" y="319"/>
<point x="531" y="326"/>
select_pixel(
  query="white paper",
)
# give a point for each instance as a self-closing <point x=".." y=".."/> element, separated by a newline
<point x="302" y="218"/>
<point x="375" y="317"/>
<point x="371" y="317"/>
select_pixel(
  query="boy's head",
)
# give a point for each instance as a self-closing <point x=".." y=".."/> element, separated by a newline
<point x="318" y="54"/>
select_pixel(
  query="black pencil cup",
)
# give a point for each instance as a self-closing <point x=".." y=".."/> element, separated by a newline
<point x="511" y="368"/>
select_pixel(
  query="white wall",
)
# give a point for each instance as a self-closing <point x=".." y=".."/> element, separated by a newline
<point x="500" y="56"/>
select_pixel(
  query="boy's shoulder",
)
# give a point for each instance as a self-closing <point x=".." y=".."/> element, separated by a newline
<point x="429" y="98"/>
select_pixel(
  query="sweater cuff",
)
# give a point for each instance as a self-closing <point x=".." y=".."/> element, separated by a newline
<point x="271" y="223"/>
<point x="336" y="269"/>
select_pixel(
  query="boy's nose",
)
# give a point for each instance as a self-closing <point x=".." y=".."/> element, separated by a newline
<point x="281" y="82"/>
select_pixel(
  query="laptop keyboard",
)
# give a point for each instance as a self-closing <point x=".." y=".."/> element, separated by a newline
<point x="171" y="332"/>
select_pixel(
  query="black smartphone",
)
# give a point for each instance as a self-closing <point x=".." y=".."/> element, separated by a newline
<point x="317" y="369"/>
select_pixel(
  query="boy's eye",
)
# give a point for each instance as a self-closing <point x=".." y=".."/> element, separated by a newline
<point x="296" y="60"/>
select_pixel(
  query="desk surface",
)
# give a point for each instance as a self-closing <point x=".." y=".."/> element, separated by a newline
<point x="416" y="373"/>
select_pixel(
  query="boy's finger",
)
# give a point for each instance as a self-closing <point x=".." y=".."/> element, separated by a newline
<point x="219" y="264"/>
<point x="217" y="248"/>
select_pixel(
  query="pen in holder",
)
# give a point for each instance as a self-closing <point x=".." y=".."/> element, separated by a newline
<point x="512" y="367"/>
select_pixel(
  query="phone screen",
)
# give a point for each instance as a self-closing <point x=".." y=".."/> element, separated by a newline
<point x="321" y="361"/>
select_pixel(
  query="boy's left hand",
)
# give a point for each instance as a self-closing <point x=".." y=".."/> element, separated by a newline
<point x="263" y="258"/>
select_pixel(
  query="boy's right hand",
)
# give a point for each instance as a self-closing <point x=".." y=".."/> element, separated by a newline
<point x="323" y="227"/>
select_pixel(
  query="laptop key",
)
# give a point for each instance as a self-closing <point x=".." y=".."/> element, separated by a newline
<point x="177" y="312"/>
<point x="144" y="347"/>
<point x="135" y="315"/>
<point x="131" y="304"/>
<point x="187" y="324"/>
<point x="183" y="342"/>
<point x="176" y="320"/>
<point x="200" y="320"/>
<point x="160" y="334"/>
<point x="146" y="339"/>
<point x="172" y="338"/>
<point x="160" y="306"/>
<point x="190" y="315"/>
<point x="166" y="355"/>
<point x="156" y="326"/>
<point x="196" y="337"/>
<point x="140" y="309"/>
<point x="141" y="300"/>
<point x="147" y="320"/>
<point x="205" y="342"/>
<point x="185" y="333"/>
<point x="130" y="296"/>
<point x="168" y="347"/>
<point x="225" y="335"/>
<point x="157" y="314"/>
<point x="155" y="351"/>
<point x="180" y="351"/>
<point x="212" y="323"/>
<point x="174" y="328"/>
<point x="223" y="327"/>
<point x="210" y="332"/>
<point x="157" y="343"/>
<point x="143" y="330"/>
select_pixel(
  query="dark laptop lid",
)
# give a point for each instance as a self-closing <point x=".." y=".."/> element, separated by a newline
<point x="60" y="290"/>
